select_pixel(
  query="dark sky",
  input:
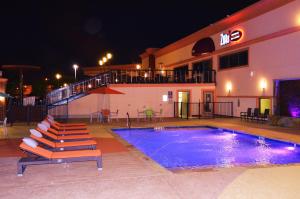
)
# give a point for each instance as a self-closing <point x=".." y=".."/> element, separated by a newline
<point x="56" y="34"/>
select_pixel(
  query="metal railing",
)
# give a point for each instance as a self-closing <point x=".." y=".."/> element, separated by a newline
<point x="203" y="110"/>
<point x="131" y="77"/>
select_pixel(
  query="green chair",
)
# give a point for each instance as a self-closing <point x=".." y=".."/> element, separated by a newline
<point x="149" y="113"/>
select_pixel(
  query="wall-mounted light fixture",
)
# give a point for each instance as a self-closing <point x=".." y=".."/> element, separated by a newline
<point x="263" y="85"/>
<point x="165" y="98"/>
<point x="228" y="88"/>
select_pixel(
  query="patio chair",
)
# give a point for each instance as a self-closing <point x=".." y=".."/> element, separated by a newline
<point x="61" y="146"/>
<point x="96" y="114"/>
<point x="255" y="115"/>
<point x="140" y="114"/>
<point x="105" y="115"/>
<point x="159" y="114"/>
<point x="246" y="115"/>
<point x="61" y="138"/>
<point x="149" y="114"/>
<point x="4" y="126"/>
<point x="113" y="115"/>
<point x="73" y="132"/>
<point x="61" y="125"/>
<point x="265" y="116"/>
<point x="41" y="156"/>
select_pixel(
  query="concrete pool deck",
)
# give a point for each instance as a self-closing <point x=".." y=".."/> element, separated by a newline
<point x="127" y="173"/>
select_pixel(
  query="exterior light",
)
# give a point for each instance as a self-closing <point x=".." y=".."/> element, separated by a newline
<point x="75" y="67"/>
<point x="117" y="80"/>
<point x="100" y="62"/>
<point x="108" y="55"/>
<point x="46" y="79"/>
<point x="263" y="84"/>
<point x="104" y="59"/>
<point x="58" y="76"/>
<point x="228" y="87"/>
<point x="146" y="75"/>
<point x="165" y="98"/>
<point x="162" y="72"/>
<point x="138" y="66"/>
<point x="2" y="99"/>
<point x="89" y="85"/>
<point x="65" y="84"/>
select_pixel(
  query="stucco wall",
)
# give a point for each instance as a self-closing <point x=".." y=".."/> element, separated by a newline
<point x="135" y="97"/>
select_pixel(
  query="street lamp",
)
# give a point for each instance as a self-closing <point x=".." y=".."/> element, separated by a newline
<point x="104" y="59"/>
<point x="100" y="62"/>
<point x="75" y="67"/>
<point x="58" y="77"/>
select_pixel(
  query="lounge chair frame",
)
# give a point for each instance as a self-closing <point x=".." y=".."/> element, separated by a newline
<point x="38" y="160"/>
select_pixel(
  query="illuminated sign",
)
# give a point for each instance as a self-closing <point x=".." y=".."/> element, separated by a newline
<point x="226" y="38"/>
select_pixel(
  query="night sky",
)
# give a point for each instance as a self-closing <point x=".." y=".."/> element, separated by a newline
<point x="56" y="34"/>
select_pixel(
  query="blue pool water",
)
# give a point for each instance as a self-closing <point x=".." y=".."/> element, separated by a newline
<point x="196" y="147"/>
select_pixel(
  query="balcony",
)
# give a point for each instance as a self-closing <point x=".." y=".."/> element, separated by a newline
<point x="78" y="89"/>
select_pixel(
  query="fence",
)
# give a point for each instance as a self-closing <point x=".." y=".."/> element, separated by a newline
<point x="60" y="112"/>
<point x="28" y="114"/>
<point x="203" y="110"/>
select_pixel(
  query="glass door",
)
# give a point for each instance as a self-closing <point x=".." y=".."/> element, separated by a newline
<point x="208" y="97"/>
<point x="183" y="103"/>
<point x="264" y="103"/>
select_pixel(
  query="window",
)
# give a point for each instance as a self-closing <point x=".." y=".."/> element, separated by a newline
<point x="234" y="60"/>
<point x="203" y="66"/>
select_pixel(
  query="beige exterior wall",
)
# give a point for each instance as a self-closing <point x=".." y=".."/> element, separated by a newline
<point x="135" y="97"/>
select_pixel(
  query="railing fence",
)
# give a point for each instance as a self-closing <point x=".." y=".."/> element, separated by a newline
<point x="203" y="110"/>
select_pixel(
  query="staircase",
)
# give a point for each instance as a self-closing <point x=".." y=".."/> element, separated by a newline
<point x="77" y="90"/>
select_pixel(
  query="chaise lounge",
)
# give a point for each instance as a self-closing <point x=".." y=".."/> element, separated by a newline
<point x="62" y="146"/>
<point x="43" y="156"/>
<point x="64" y="126"/>
<point x="61" y="138"/>
<point x="67" y="132"/>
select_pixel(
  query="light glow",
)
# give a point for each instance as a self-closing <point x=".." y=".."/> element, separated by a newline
<point x="58" y="76"/>
<point x="75" y="66"/>
<point x="228" y="87"/>
<point x="90" y="86"/>
<point x="263" y="84"/>
<point x="108" y="55"/>
<point x="104" y="59"/>
<point x="165" y="98"/>
<point x="100" y="62"/>
<point x="2" y="99"/>
<point x="290" y="148"/>
<point x="138" y="66"/>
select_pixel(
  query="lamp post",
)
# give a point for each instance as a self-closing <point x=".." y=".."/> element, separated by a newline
<point x="75" y="67"/>
<point x="58" y="77"/>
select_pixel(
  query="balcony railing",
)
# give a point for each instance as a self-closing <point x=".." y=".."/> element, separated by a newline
<point x="131" y="77"/>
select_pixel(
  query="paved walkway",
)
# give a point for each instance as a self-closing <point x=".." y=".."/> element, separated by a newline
<point x="127" y="173"/>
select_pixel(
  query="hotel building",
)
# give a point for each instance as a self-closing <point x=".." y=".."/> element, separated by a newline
<point x="249" y="59"/>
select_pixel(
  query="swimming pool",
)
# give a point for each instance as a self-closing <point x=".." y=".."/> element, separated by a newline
<point x="198" y="147"/>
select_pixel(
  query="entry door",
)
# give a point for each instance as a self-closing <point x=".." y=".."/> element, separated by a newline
<point x="264" y="103"/>
<point x="208" y="97"/>
<point x="183" y="103"/>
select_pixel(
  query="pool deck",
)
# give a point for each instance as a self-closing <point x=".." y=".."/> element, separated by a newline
<point x="127" y="173"/>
